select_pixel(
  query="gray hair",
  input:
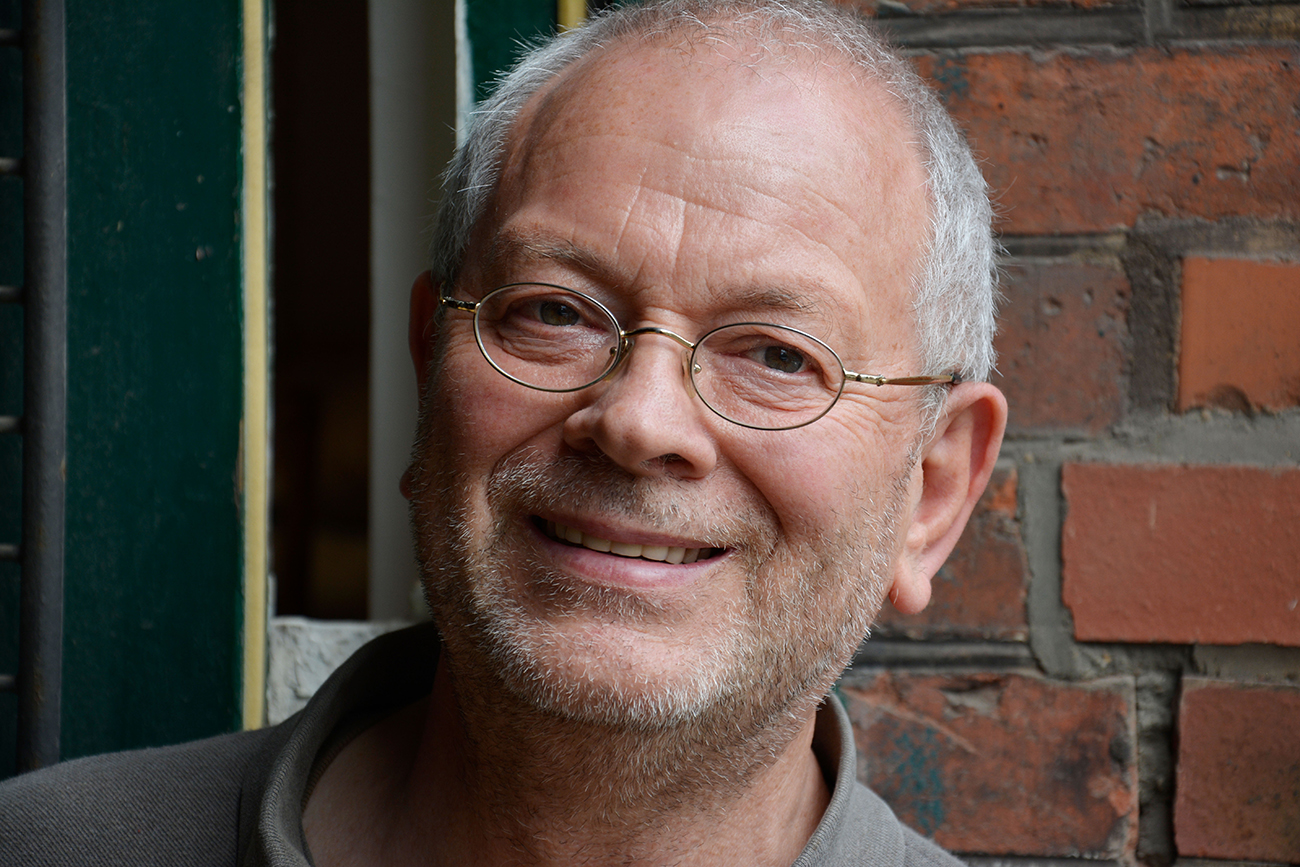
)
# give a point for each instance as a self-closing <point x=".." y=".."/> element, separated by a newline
<point x="956" y="294"/>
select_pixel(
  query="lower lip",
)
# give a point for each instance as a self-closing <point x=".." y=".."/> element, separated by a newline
<point x="611" y="570"/>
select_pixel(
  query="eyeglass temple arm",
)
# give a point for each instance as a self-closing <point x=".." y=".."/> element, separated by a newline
<point x="870" y="379"/>
<point x="467" y="306"/>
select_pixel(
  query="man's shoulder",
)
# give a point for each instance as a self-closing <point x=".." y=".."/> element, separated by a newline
<point x="858" y="827"/>
<point x="923" y="852"/>
<point x="170" y="805"/>
<point x="866" y="832"/>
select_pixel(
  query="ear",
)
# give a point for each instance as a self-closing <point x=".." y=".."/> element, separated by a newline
<point x="954" y="468"/>
<point x="422" y="327"/>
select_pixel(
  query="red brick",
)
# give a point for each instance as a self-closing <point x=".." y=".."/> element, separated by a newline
<point x="1061" y="346"/>
<point x="1183" y="554"/>
<point x="1238" y="782"/>
<point x="1240" y="345"/>
<point x="931" y="7"/>
<point x="1002" y="764"/>
<point x="1085" y="142"/>
<point x="980" y="591"/>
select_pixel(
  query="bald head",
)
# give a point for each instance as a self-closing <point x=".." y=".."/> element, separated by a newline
<point x="953" y="294"/>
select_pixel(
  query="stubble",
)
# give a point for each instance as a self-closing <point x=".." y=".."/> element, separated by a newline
<point x="773" y="652"/>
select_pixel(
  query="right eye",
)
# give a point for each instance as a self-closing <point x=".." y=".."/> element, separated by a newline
<point x="541" y="307"/>
<point x="546" y="337"/>
<point x="752" y="349"/>
<point x="522" y="314"/>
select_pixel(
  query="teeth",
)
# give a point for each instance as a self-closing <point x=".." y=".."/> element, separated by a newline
<point x="658" y="553"/>
<point x="623" y="549"/>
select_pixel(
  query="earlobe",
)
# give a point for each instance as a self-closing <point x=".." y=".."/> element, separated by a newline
<point x="422" y="326"/>
<point x="945" y="486"/>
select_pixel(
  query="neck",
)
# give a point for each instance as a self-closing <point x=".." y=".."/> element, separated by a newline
<point x="492" y="782"/>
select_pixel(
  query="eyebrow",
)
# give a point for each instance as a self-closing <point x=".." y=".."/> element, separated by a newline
<point x="526" y="246"/>
<point x="530" y="246"/>
<point x="777" y="298"/>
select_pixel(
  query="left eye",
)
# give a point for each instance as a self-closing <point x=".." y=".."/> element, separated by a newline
<point x="783" y="358"/>
<point x="558" y="313"/>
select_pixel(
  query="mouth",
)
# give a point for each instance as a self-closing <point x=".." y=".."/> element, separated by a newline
<point x="655" y="553"/>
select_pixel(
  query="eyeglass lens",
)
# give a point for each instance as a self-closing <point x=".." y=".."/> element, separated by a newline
<point x="754" y="374"/>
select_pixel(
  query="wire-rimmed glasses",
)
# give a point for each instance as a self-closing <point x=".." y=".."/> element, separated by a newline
<point x="754" y="374"/>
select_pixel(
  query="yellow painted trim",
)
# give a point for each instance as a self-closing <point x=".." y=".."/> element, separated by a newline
<point x="570" y="13"/>
<point x="256" y="426"/>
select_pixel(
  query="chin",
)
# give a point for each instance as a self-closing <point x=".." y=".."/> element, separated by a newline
<point x="600" y="667"/>
<point x="605" y="666"/>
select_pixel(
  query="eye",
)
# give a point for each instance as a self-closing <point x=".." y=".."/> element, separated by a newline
<point x="783" y="358"/>
<point x="557" y="313"/>
<point x="769" y="351"/>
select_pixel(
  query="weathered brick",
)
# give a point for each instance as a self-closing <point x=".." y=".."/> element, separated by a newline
<point x="933" y="7"/>
<point x="1240" y="346"/>
<point x="1184" y="554"/>
<point x="1061" y="345"/>
<point x="1002" y="764"/>
<point x="980" y="591"/>
<point x="1084" y="142"/>
<point x="1238" y="789"/>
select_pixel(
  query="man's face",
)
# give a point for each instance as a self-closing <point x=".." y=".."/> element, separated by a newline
<point x="683" y="192"/>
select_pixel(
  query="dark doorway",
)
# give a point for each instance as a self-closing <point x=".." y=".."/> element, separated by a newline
<point x="321" y="188"/>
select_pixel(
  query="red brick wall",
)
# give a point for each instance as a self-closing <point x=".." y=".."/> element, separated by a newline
<point x="1238" y="771"/>
<point x="1110" y="668"/>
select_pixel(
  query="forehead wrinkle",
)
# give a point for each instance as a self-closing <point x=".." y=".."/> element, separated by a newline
<point x="738" y="181"/>
<point x="809" y="185"/>
<point x="531" y="245"/>
<point x="802" y="294"/>
<point x="672" y="245"/>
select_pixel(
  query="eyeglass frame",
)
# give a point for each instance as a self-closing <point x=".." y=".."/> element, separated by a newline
<point x="624" y="348"/>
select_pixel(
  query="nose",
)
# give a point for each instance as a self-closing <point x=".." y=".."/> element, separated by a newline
<point x="644" y="416"/>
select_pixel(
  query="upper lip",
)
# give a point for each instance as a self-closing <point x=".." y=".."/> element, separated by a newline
<point x="671" y="554"/>
<point x="628" y="535"/>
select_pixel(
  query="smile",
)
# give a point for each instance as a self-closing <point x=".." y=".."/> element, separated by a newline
<point x="657" y="553"/>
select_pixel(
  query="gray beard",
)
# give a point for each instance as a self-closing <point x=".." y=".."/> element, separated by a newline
<point x="780" y="649"/>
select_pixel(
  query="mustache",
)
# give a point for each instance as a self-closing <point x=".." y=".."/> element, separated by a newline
<point x="528" y="481"/>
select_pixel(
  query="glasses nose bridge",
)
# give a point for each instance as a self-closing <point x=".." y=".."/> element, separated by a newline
<point x="654" y="329"/>
<point x="626" y="342"/>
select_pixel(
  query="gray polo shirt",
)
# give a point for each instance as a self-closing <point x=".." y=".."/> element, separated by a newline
<point x="237" y="799"/>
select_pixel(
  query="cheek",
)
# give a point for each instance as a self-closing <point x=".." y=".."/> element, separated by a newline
<point x="818" y="480"/>
<point x="481" y="415"/>
<point x="800" y="478"/>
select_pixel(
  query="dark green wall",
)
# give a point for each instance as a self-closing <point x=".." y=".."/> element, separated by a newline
<point x="497" y="29"/>
<point x="11" y="372"/>
<point x="153" y="587"/>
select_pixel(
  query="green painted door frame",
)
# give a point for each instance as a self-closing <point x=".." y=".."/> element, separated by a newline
<point x="166" y="375"/>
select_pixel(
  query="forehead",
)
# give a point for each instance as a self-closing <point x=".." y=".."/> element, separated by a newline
<point x="708" y="169"/>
